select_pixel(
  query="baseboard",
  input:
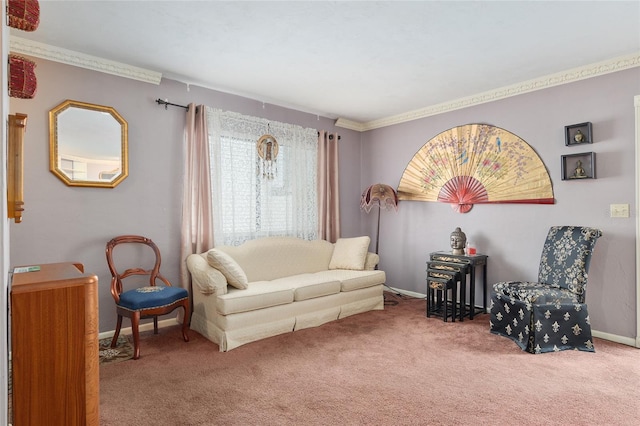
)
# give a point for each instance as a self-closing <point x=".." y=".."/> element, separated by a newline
<point x="407" y="292"/>
<point x="630" y="341"/>
<point x="143" y="327"/>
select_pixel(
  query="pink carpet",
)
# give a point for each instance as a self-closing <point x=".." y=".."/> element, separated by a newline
<point x="391" y="367"/>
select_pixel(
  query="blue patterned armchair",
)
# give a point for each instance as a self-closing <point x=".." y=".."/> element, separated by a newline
<point x="549" y="315"/>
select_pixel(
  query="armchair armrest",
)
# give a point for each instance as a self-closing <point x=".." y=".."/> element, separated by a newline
<point x="206" y="279"/>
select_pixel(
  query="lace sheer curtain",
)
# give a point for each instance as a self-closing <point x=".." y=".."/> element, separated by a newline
<point x="246" y="204"/>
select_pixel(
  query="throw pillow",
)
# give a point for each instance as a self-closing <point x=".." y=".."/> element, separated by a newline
<point x="350" y="253"/>
<point x="230" y="269"/>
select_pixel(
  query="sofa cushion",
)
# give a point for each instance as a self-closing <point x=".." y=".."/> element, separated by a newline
<point x="230" y="269"/>
<point x="353" y="280"/>
<point x="259" y="295"/>
<point x="350" y="253"/>
<point x="309" y="286"/>
<point x="270" y="258"/>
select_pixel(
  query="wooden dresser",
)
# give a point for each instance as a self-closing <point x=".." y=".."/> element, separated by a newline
<point x="54" y="344"/>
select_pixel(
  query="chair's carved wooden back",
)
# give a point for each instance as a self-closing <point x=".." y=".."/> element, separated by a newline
<point x="116" y="277"/>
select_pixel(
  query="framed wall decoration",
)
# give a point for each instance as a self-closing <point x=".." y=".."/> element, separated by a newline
<point x="577" y="134"/>
<point x="579" y="166"/>
<point x="474" y="164"/>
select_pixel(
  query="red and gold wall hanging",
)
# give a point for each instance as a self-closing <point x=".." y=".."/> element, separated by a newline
<point x="22" y="77"/>
<point x="473" y="164"/>
<point x="24" y="14"/>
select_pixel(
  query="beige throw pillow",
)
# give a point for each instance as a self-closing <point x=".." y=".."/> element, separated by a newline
<point x="230" y="269"/>
<point x="350" y="253"/>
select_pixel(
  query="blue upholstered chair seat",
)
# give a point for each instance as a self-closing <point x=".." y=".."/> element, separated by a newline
<point x="151" y="297"/>
<point x="534" y="292"/>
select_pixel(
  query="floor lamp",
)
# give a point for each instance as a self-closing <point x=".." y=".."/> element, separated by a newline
<point x="384" y="197"/>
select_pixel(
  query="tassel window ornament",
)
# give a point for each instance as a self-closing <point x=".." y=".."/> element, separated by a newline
<point x="268" y="147"/>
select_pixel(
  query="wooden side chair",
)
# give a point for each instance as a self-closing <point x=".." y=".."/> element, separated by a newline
<point x="144" y="302"/>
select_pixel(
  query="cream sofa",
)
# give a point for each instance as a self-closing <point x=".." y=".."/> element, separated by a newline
<point x="276" y="285"/>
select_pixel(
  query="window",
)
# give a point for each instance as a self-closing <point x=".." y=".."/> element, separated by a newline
<point x="248" y="205"/>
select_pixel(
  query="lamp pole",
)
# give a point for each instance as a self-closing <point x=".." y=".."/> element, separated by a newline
<point x="378" y="230"/>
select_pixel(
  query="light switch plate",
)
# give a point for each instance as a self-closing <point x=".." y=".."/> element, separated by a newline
<point x="619" y="210"/>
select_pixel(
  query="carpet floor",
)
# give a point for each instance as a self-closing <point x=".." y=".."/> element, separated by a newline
<point x="391" y="367"/>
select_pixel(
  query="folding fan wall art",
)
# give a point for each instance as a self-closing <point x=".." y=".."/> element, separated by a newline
<point x="476" y="163"/>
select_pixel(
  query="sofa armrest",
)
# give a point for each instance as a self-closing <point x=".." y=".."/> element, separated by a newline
<point x="206" y="279"/>
<point x="371" y="261"/>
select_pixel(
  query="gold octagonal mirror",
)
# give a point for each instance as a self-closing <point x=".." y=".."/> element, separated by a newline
<point x="88" y="144"/>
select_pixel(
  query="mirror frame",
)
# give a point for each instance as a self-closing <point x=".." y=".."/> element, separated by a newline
<point x="53" y="144"/>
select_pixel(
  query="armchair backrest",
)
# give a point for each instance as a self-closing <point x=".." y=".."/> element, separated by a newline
<point x="566" y="256"/>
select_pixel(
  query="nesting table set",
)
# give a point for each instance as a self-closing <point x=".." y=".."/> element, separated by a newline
<point x="447" y="275"/>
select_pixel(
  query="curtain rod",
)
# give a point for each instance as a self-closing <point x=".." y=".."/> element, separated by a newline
<point x="331" y="135"/>
<point x="167" y="103"/>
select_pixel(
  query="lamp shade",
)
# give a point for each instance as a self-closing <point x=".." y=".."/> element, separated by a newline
<point x="22" y="77"/>
<point x="24" y="14"/>
<point x="380" y="195"/>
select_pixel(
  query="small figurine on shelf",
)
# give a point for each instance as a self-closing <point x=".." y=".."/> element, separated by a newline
<point x="458" y="241"/>
<point x="579" y="172"/>
<point x="578" y="137"/>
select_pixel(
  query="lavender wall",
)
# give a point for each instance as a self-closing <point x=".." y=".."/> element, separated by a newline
<point x="513" y="234"/>
<point x="62" y="223"/>
<point x="73" y="224"/>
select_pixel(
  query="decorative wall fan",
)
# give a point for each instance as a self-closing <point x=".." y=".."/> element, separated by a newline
<point x="476" y="163"/>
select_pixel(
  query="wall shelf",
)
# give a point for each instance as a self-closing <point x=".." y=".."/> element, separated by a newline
<point x="579" y="166"/>
<point x="577" y="134"/>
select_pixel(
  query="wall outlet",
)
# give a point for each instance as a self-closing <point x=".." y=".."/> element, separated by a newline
<point x="619" y="210"/>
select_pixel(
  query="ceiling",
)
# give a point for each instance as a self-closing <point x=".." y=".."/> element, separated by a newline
<point x="354" y="60"/>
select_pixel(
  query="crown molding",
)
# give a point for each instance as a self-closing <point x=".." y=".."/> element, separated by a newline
<point x="557" y="79"/>
<point x="70" y="57"/>
<point x="352" y="125"/>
